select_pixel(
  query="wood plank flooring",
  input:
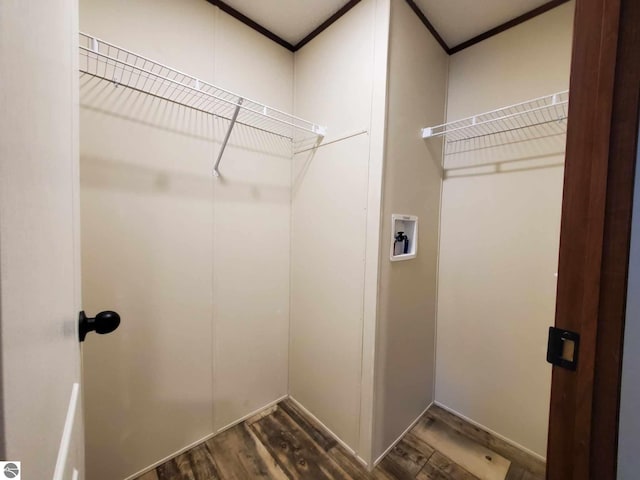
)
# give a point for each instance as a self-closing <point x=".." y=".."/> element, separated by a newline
<point x="284" y="443"/>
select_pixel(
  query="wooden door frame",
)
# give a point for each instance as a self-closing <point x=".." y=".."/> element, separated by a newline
<point x="602" y="134"/>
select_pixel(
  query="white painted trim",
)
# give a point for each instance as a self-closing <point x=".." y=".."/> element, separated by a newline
<point x="336" y="437"/>
<point x="395" y="442"/>
<point x="492" y="432"/>
<point x="373" y="238"/>
<point x="65" y="442"/>
<point x="203" y="439"/>
<point x="249" y="415"/>
<point x="436" y="306"/>
<point x="169" y="457"/>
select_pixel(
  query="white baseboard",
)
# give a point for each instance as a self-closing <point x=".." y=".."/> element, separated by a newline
<point x="169" y="457"/>
<point x="249" y="415"/>
<point x="492" y="432"/>
<point x="329" y="431"/>
<point x="204" y="439"/>
<point x="395" y="442"/>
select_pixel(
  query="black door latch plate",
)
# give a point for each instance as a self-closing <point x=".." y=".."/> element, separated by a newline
<point x="562" y="349"/>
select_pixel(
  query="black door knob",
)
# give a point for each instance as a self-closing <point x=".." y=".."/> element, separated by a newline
<point x="104" y="322"/>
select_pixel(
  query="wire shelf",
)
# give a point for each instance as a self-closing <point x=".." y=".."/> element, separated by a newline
<point x="535" y="118"/>
<point x="124" y="68"/>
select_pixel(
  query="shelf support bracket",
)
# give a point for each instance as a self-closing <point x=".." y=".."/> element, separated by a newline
<point x="216" y="172"/>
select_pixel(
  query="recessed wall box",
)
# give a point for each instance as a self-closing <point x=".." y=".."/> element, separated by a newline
<point x="404" y="237"/>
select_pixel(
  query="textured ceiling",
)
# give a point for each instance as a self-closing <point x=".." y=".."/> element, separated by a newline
<point x="455" y="20"/>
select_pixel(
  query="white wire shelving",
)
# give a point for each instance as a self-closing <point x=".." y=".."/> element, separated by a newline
<point x="124" y="68"/>
<point x="535" y="118"/>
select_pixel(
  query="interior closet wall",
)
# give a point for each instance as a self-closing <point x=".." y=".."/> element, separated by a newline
<point x="198" y="268"/>
<point x="405" y="353"/>
<point x="499" y="238"/>
<point x="340" y="81"/>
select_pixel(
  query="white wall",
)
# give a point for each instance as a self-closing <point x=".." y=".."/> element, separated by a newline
<point x="251" y="229"/>
<point x="629" y="433"/>
<point x="405" y="356"/>
<point x="339" y="82"/>
<point x="499" y="238"/>
<point x="197" y="267"/>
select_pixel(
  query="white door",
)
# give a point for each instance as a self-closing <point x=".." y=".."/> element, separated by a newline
<point x="39" y="274"/>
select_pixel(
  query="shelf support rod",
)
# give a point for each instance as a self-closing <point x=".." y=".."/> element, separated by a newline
<point x="216" y="172"/>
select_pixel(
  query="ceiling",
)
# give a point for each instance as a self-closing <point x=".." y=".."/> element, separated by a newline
<point x="455" y="20"/>
<point x="291" y="20"/>
<point x="460" y="20"/>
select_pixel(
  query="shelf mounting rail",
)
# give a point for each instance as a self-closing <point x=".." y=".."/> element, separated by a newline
<point x="530" y="114"/>
<point x="122" y="67"/>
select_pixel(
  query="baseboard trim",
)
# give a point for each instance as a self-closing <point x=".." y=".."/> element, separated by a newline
<point x="249" y="415"/>
<point x="395" y="442"/>
<point x="329" y="431"/>
<point x="492" y="432"/>
<point x="169" y="457"/>
<point x="204" y="439"/>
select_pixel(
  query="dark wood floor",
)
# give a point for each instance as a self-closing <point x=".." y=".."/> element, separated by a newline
<point x="284" y="443"/>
